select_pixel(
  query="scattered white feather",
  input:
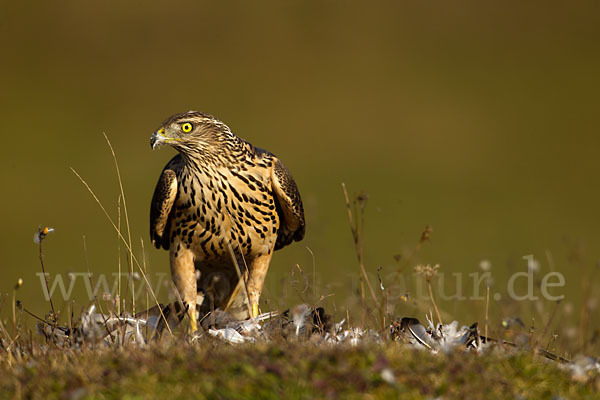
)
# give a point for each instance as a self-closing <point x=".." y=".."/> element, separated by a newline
<point x="583" y="368"/>
<point x="445" y="338"/>
<point x="230" y="335"/>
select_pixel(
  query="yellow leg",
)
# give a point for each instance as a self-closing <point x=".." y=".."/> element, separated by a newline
<point x="193" y="319"/>
<point x="184" y="277"/>
<point x="256" y="280"/>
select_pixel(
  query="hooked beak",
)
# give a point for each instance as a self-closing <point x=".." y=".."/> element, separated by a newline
<point x="157" y="138"/>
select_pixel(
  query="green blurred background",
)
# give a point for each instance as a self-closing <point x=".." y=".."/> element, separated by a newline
<point x="480" y="120"/>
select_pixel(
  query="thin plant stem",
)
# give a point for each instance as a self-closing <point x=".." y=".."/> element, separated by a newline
<point x="487" y="308"/>
<point x="146" y="271"/>
<point x="126" y="220"/>
<point x="358" y="247"/>
<point x="241" y="281"/>
<point x="44" y="272"/>
<point x="424" y="237"/>
<point x="14" y="311"/>
<point x="547" y="326"/>
<point x="437" y="312"/>
<point x="119" y="256"/>
<point x="125" y="243"/>
<point x="314" y="273"/>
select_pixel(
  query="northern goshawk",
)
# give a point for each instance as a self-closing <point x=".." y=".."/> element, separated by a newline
<point x="218" y="200"/>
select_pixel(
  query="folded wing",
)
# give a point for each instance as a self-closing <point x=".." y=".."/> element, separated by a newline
<point x="289" y="206"/>
<point x="163" y="199"/>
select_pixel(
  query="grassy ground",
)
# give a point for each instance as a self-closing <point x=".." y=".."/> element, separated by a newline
<point x="210" y="369"/>
<point x="282" y="368"/>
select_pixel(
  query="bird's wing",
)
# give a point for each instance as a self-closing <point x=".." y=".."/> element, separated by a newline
<point x="289" y="205"/>
<point x="162" y="203"/>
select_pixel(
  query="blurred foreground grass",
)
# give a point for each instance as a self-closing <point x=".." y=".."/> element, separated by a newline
<point x="283" y="370"/>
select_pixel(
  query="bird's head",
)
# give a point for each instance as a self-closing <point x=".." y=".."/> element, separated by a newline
<point x="191" y="132"/>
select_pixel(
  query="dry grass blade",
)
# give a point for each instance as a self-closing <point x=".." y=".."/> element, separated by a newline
<point x="119" y="255"/>
<point x="145" y="270"/>
<point x="435" y="307"/>
<point x="126" y="217"/>
<point x="549" y="322"/>
<point x="487" y="309"/>
<point x="241" y="282"/>
<point x="314" y="265"/>
<point x="129" y="249"/>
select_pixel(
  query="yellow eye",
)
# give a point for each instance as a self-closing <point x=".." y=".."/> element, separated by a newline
<point x="187" y="127"/>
